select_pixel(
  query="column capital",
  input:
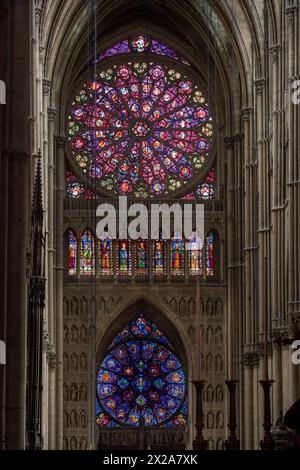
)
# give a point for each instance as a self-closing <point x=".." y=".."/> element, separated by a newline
<point x="291" y="11"/>
<point x="229" y="142"/>
<point x="60" y="141"/>
<point x="38" y="14"/>
<point x="52" y="113"/>
<point x="274" y="51"/>
<point x="260" y="84"/>
<point x="251" y="359"/>
<point x="246" y="113"/>
<point x="46" y="86"/>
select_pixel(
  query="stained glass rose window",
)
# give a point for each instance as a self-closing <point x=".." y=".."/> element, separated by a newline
<point x="140" y="129"/>
<point x="141" y="379"/>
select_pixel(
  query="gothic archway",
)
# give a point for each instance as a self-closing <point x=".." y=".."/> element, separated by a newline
<point x="142" y="384"/>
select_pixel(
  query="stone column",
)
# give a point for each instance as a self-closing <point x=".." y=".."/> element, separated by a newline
<point x="50" y="284"/>
<point x="293" y="189"/>
<point x="18" y="177"/>
<point x="60" y="190"/>
<point x="247" y="333"/>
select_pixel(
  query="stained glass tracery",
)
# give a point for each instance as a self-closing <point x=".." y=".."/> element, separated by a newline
<point x="177" y="256"/>
<point x="209" y="249"/>
<point x="141" y="43"/>
<point x="72" y="239"/>
<point x="87" y="253"/>
<point x="141" y="257"/>
<point x="75" y="189"/>
<point x="124" y="258"/>
<point x="141" y="379"/>
<point x="106" y="267"/>
<point x="159" y="257"/>
<point x="195" y="246"/>
<point x="140" y="129"/>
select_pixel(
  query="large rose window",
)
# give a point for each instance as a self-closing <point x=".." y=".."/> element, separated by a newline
<point x="141" y="129"/>
<point x="141" y="380"/>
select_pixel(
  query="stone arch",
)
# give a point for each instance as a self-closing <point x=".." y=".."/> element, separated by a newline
<point x="219" y="308"/>
<point x="220" y="444"/>
<point x="66" y="306"/>
<point x="163" y="318"/>
<point x="73" y="443"/>
<point x="192" y="307"/>
<point x="220" y="420"/>
<point x="66" y="392"/>
<point x="102" y="305"/>
<point x="83" y="306"/>
<point x="219" y="335"/>
<point x="66" y="362"/>
<point x="73" y="419"/>
<point x="219" y="393"/>
<point x="210" y="307"/>
<point x="74" y="362"/>
<point x="83" y="392"/>
<point x="110" y="303"/>
<point x="66" y="334"/>
<point x="73" y="392"/>
<point x="65" y="420"/>
<point x="209" y="335"/>
<point x="173" y="304"/>
<point x="83" y="334"/>
<point x="209" y="362"/>
<point x="218" y="363"/>
<point x="182" y="307"/>
<point x="74" y="334"/>
<point x="74" y="306"/>
<point x="210" y="420"/>
<point x="65" y="443"/>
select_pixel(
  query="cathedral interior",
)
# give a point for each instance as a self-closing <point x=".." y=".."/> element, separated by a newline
<point x="165" y="343"/>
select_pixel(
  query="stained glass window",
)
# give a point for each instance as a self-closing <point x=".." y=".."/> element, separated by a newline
<point x="159" y="257"/>
<point x="206" y="190"/>
<point x="87" y="253"/>
<point x="209" y="248"/>
<point x="141" y="258"/>
<point x="177" y="256"/>
<point x="140" y="129"/>
<point x="106" y="257"/>
<point x="195" y="255"/>
<point x="141" y="43"/>
<point x="141" y="379"/>
<point x="124" y="258"/>
<point x="77" y="190"/>
<point x="72" y="253"/>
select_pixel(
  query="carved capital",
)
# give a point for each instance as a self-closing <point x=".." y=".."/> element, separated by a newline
<point x="281" y="336"/>
<point x="294" y="326"/>
<point x="38" y="14"/>
<point x="229" y="142"/>
<point x="260" y="85"/>
<point x="251" y="359"/>
<point x="291" y="11"/>
<point x="274" y="52"/>
<point x="246" y="113"/>
<point x="52" y="113"/>
<point x="60" y="142"/>
<point x="46" y="86"/>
